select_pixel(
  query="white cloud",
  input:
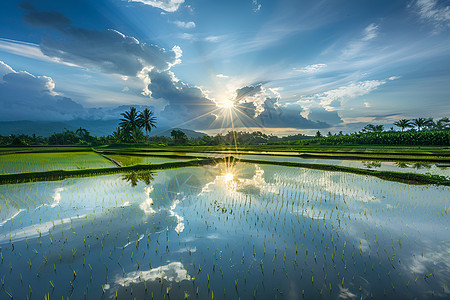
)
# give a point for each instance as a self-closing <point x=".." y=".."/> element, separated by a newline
<point x="367" y="104"/>
<point x="186" y="25"/>
<point x="212" y="39"/>
<point x="394" y="78"/>
<point x="166" y="5"/>
<point x="222" y="76"/>
<point x="429" y="10"/>
<point x="256" y="6"/>
<point x="370" y="32"/>
<point x="312" y="68"/>
<point x="331" y="100"/>
<point x="29" y="50"/>
<point x="5" y="69"/>
<point x="173" y="272"/>
<point x="187" y="36"/>
<point x="357" y="46"/>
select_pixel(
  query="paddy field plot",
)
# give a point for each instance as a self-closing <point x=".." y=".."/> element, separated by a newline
<point x="35" y="162"/>
<point x="396" y="166"/>
<point x="225" y="232"/>
<point x="130" y="160"/>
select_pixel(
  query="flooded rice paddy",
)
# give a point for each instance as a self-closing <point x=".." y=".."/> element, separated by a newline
<point x="35" y="162"/>
<point x="225" y="232"/>
<point x="396" y="166"/>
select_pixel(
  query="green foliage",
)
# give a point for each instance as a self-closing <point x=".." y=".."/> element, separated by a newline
<point x="179" y="137"/>
<point x="132" y="124"/>
<point x="387" y="138"/>
<point x="373" y="128"/>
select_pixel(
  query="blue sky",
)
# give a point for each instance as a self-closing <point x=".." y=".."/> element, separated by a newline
<point x="285" y="66"/>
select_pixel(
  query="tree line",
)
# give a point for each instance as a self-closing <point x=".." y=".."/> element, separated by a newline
<point x="133" y="124"/>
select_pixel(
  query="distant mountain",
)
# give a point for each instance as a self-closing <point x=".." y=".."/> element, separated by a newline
<point x="95" y="127"/>
<point x="30" y="127"/>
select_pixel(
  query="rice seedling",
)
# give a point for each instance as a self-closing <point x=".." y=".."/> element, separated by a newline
<point x="331" y="225"/>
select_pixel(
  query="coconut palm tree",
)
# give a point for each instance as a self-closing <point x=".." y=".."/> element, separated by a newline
<point x="403" y="123"/>
<point x="137" y="135"/>
<point x="443" y="124"/>
<point x="82" y="133"/>
<point x="117" y="135"/>
<point x="130" y="120"/>
<point x="147" y="120"/>
<point x="421" y="122"/>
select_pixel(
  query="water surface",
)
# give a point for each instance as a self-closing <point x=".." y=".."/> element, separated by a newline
<point x="224" y="232"/>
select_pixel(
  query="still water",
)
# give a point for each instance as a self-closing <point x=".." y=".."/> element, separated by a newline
<point x="224" y="232"/>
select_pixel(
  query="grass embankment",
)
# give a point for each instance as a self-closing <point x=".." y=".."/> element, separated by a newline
<point x="411" y="178"/>
<point x="64" y="174"/>
<point x="43" y="149"/>
<point x="133" y="153"/>
<point x="353" y="149"/>
<point x="389" y="154"/>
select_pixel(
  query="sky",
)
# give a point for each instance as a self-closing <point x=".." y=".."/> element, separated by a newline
<point x="282" y="67"/>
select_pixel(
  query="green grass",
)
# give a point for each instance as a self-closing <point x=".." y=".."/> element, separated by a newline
<point x="43" y="149"/>
<point x="35" y="162"/>
<point x="64" y="174"/>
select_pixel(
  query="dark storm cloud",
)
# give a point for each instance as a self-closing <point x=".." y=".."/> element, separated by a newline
<point x="108" y="50"/>
<point x="53" y="20"/>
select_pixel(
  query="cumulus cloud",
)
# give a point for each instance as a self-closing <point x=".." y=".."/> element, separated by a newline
<point x="186" y="25"/>
<point x="320" y="114"/>
<point x="113" y="52"/>
<point x="185" y="104"/>
<point x="431" y="11"/>
<point x="256" y="105"/>
<point x="24" y="96"/>
<point x="5" y="69"/>
<point x="108" y="50"/>
<point x="332" y="99"/>
<point x="166" y="5"/>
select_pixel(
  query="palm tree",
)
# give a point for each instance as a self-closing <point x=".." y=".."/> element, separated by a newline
<point x="147" y="120"/>
<point x="421" y="122"/>
<point x="130" y="120"/>
<point x="403" y="123"/>
<point x="82" y="133"/>
<point x="137" y="135"/>
<point x="443" y="123"/>
<point x="117" y="135"/>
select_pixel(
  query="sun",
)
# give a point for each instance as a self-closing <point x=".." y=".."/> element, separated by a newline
<point x="228" y="177"/>
<point x="227" y="104"/>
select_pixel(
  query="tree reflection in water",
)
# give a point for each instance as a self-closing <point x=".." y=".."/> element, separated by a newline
<point x="134" y="177"/>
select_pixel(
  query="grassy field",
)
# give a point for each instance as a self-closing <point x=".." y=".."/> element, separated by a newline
<point x="35" y="162"/>
<point x="44" y="149"/>
<point x="89" y="162"/>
